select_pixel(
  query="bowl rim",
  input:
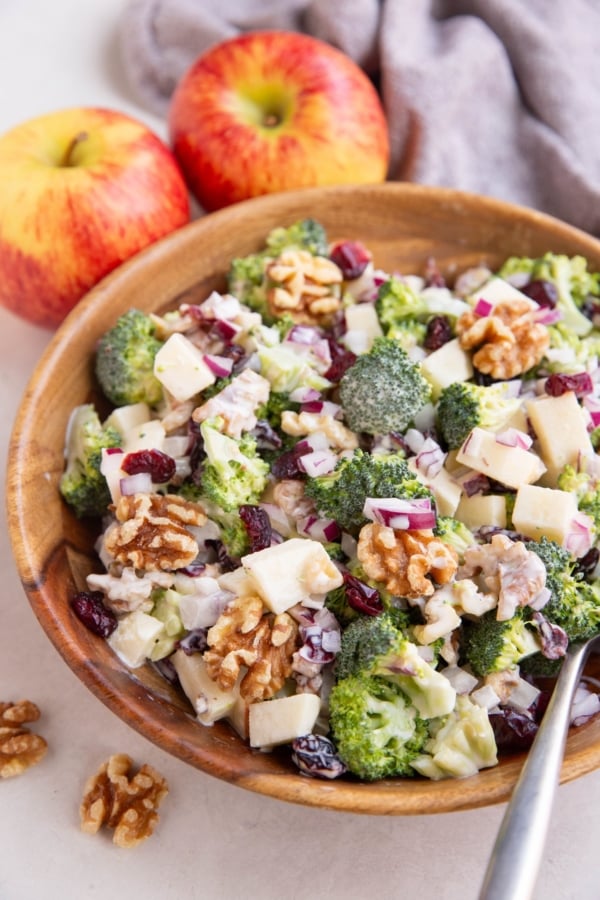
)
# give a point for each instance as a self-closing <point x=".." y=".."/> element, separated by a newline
<point x="389" y="797"/>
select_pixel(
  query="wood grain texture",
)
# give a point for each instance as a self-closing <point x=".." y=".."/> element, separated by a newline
<point x="403" y="225"/>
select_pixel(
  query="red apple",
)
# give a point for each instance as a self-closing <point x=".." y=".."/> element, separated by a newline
<point x="81" y="190"/>
<point x="274" y="111"/>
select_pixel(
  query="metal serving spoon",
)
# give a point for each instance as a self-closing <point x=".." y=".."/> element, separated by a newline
<point x="516" y="856"/>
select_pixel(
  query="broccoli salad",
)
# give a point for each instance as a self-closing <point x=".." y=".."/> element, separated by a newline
<point x="353" y="513"/>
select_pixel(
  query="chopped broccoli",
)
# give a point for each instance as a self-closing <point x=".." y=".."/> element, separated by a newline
<point x="376" y="730"/>
<point x="233" y="473"/>
<point x="247" y="278"/>
<point x="463" y="406"/>
<point x="492" y="646"/>
<point x="367" y="638"/>
<point x="570" y="276"/>
<point x="586" y="489"/>
<point x="454" y="533"/>
<point x="460" y="745"/>
<point x="574" y="603"/>
<point x="125" y="361"/>
<point x="341" y="494"/>
<point x="384" y="390"/>
<point x="401" y="309"/>
<point x="539" y="666"/>
<point x="567" y="352"/>
<point x="286" y="370"/>
<point x="408" y="334"/>
<point x="82" y="484"/>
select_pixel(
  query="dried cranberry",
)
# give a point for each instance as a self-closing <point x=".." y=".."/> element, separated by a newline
<point x="258" y="526"/>
<point x="362" y="597"/>
<point x="553" y="638"/>
<point x="560" y="383"/>
<point x="223" y="558"/>
<point x="315" y="755"/>
<point x="89" y="608"/>
<point x="351" y="257"/>
<point x="266" y="436"/>
<point x="195" y="641"/>
<point x="341" y="360"/>
<point x="286" y="465"/>
<point x="157" y="464"/>
<point x="588" y="562"/>
<point x="543" y="292"/>
<point x="438" y="333"/>
<point x="514" y="731"/>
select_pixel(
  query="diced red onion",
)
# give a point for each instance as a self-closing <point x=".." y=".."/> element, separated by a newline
<point x="522" y="695"/>
<point x="585" y="705"/>
<point x="331" y="641"/>
<point x="400" y="514"/>
<point x="483" y="307"/>
<point x="226" y="329"/>
<point x="221" y="366"/>
<point x="319" y="462"/>
<point x="315" y="441"/>
<point x="141" y="483"/>
<point x="579" y="539"/>
<point x="462" y="681"/>
<point x="303" y="334"/>
<point x="547" y="316"/>
<point x="304" y="395"/>
<point x="323" y="408"/>
<point x="323" y="530"/>
<point x="513" y="437"/>
<point x="430" y="460"/>
<point x="111" y="451"/>
<point x="414" y="440"/>
<point x="220" y="306"/>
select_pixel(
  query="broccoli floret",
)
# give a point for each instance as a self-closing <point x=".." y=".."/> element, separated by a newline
<point x="247" y="278"/>
<point x="570" y="276"/>
<point x="463" y="406"/>
<point x="286" y="370"/>
<point x="400" y="307"/>
<point x="408" y="334"/>
<point x="461" y="743"/>
<point x="82" y="484"/>
<point x="539" y="666"/>
<point x="125" y="361"/>
<point x="341" y="494"/>
<point x="367" y="639"/>
<point x="377" y="732"/>
<point x="454" y="533"/>
<point x="492" y="646"/>
<point x="575" y="354"/>
<point x="384" y="390"/>
<point x="574" y="603"/>
<point x="586" y="489"/>
<point x="233" y="472"/>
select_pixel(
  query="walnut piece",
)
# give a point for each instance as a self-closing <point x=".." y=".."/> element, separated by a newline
<point x="304" y="286"/>
<point x="510" y="341"/>
<point x="337" y="434"/>
<point x="246" y="636"/>
<point x="19" y="747"/>
<point x="152" y="534"/>
<point x="124" y="802"/>
<point x="406" y="562"/>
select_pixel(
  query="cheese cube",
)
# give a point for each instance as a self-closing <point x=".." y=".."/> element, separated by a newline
<point x="561" y="432"/>
<point x="511" y="466"/>
<point x="290" y="572"/>
<point x="279" y="721"/>
<point x="362" y="326"/>
<point x="449" y="363"/>
<point x="145" y="436"/>
<point x="445" y="489"/>
<point x="210" y="701"/>
<point x="134" y="637"/>
<point x="180" y="368"/>
<point x="544" y="512"/>
<point x="480" y="509"/>
<point x="124" y="418"/>
<point x="237" y="581"/>
<point x="496" y="290"/>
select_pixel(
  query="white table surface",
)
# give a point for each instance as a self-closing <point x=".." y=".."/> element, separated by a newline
<point x="213" y="841"/>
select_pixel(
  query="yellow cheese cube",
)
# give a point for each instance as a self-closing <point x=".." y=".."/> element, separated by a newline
<point x="544" y="512"/>
<point x="445" y="489"/>
<point x="209" y="700"/>
<point x="561" y="432"/>
<point x="511" y="466"/>
<point x="179" y="366"/>
<point x="480" y="509"/>
<point x="449" y="363"/>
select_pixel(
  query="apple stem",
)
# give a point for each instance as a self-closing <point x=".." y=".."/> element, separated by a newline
<point x="67" y="159"/>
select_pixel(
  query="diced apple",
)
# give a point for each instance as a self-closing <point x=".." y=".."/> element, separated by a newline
<point x="544" y="512"/>
<point x="238" y="581"/>
<point x="449" y="363"/>
<point x="210" y="701"/>
<point x="496" y="290"/>
<point x="288" y="573"/>
<point x="134" y="637"/>
<point x="124" y="418"/>
<point x="480" y="509"/>
<point x="444" y="488"/>
<point x="561" y="432"/>
<point x="180" y="368"/>
<point x="511" y="466"/>
<point x="362" y="322"/>
<point x="148" y="435"/>
<point x="279" y="721"/>
<point x="238" y="717"/>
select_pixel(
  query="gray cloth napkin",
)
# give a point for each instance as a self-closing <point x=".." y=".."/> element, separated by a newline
<point x="500" y="97"/>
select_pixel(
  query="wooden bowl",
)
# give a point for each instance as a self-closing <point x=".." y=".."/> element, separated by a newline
<point x="403" y="225"/>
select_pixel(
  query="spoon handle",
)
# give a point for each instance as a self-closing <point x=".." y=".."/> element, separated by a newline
<point x="517" y="852"/>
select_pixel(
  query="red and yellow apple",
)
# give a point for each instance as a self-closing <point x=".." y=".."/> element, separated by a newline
<point x="81" y="191"/>
<point x="273" y="111"/>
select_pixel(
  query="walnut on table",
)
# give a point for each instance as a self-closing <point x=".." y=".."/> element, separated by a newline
<point x="247" y="636"/>
<point x="305" y="286"/>
<point x="151" y="532"/>
<point x="509" y="340"/>
<point x="19" y="747"/>
<point x="123" y="801"/>
<point x="406" y="562"/>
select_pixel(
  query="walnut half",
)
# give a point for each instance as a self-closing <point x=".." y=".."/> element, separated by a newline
<point x="19" y="747"/>
<point x="124" y="802"/>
